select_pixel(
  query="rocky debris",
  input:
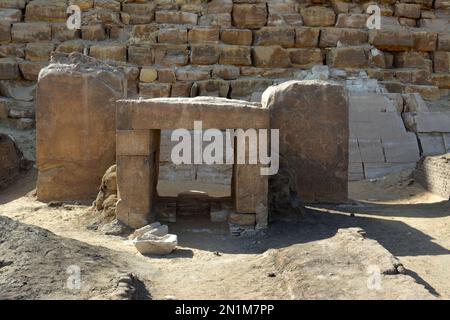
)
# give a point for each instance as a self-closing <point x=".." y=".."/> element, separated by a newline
<point x="37" y="264"/>
<point x="12" y="161"/>
<point x="129" y="287"/>
<point x="107" y="196"/>
<point x="154" y="239"/>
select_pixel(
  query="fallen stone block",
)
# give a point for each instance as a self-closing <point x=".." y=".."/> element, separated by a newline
<point x="151" y="244"/>
<point x="154" y="228"/>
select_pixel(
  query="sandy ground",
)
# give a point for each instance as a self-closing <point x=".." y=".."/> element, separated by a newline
<point x="299" y="257"/>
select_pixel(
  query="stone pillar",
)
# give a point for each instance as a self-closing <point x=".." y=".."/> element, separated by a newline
<point x="137" y="175"/>
<point x="75" y="126"/>
<point x="312" y="117"/>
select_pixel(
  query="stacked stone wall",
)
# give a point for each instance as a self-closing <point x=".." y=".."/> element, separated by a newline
<point x="227" y="48"/>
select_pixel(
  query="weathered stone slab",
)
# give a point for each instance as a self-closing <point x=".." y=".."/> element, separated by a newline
<point x="75" y="131"/>
<point x="217" y="113"/>
<point x="313" y="160"/>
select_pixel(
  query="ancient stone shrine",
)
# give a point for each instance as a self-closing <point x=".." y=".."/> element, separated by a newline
<point x="89" y="124"/>
<point x="139" y="123"/>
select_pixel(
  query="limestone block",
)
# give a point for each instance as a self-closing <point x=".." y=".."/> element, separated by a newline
<point x="173" y="35"/>
<point x="191" y="73"/>
<point x="205" y="54"/>
<point x="318" y="16"/>
<point x="443" y="42"/>
<point x="330" y="37"/>
<point x="204" y="35"/>
<point x="60" y="32"/>
<point x="11" y="160"/>
<point x="314" y="160"/>
<point x="352" y="20"/>
<point x="236" y="36"/>
<point x="429" y="93"/>
<point x="244" y="88"/>
<point x="30" y="70"/>
<point x="412" y="59"/>
<point x="147" y="34"/>
<point x="213" y="88"/>
<point x="140" y="55"/>
<point x="139" y="8"/>
<point x="424" y="41"/>
<point x="305" y="57"/>
<point x="46" y="10"/>
<point x="39" y="51"/>
<point x="217" y="113"/>
<point x="156" y="245"/>
<point x="111" y="5"/>
<point x="166" y="75"/>
<point x="371" y="150"/>
<point x="219" y="6"/>
<point x="181" y="89"/>
<point x="391" y="40"/>
<point x="227" y="72"/>
<point x="154" y="90"/>
<point x="94" y="32"/>
<point x="31" y="32"/>
<point x="9" y="69"/>
<point x="249" y="15"/>
<point x="431" y="144"/>
<point x="270" y="57"/>
<point x="441" y="61"/>
<point x="75" y="130"/>
<point x="83" y="4"/>
<point x="18" y="89"/>
<point x="307" y="37"/>
<point x="70" y="46"/>
<point x="110" y="52"/>
<point x="408" y="10"/>
<point x="442" y="81"/>
<point x="13" y="4"/>
<point x="5" y="33"/>
<point x="235" y="55"/>
<point x="175" y="17"/>
<point x="136" y="142"/>
<point x="9" y="16"/>
<point x="401" y="149"/>
<point x="222" y="20"/>
<point x="347" y="57"/>
<point x="268" y="36"/>
<point x="171" y="55"/>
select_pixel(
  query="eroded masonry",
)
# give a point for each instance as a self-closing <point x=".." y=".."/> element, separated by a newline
<point x="84" y="127"/>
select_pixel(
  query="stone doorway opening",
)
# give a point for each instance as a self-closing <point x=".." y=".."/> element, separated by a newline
<point x="140" y="147"/>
